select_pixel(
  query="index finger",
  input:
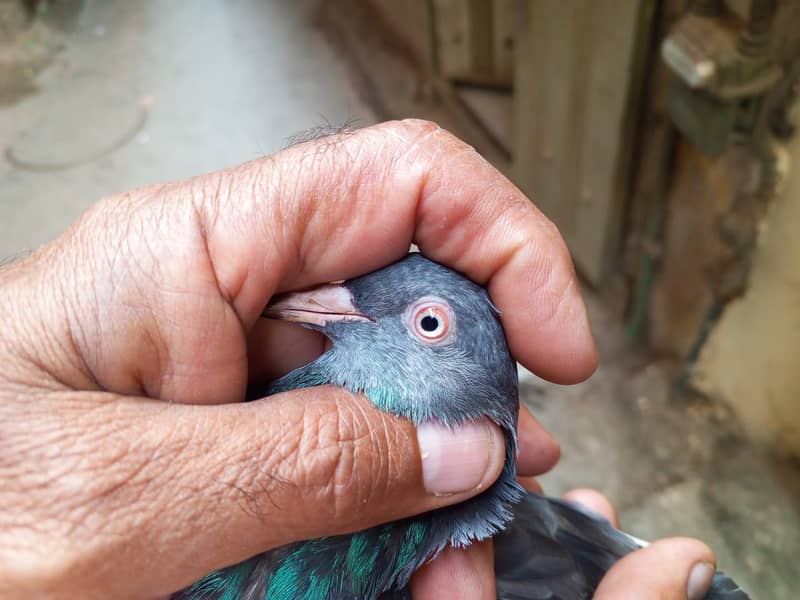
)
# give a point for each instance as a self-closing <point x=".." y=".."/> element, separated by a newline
<point x="339" y="207"/>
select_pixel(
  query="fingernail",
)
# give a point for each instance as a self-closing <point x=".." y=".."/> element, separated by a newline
<point x="700" y="580"/>
<point x="460" y="459"/>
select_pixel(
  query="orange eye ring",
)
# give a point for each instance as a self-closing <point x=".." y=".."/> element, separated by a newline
<point x="431" y="320"/>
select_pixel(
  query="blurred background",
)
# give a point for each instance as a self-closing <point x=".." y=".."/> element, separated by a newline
<point x="658" y="135"/>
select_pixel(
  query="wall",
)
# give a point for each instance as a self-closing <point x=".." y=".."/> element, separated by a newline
<point x="752" y="359"/>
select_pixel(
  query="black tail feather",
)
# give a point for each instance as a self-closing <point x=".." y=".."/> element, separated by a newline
<point x="554" y="550"/>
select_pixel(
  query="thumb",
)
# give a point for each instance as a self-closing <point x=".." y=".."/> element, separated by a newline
<point x="671" y="569"/>
<point x="217" y="484"/>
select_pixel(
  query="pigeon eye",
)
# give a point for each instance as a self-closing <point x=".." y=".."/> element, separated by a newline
<point x="430" y="320"/>
<point x="430" y="323"/>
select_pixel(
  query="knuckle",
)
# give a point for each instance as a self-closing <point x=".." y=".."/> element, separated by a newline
<point x="421" y="136"/>
<point x="371" y="445"/>
<point x="338" y="458"/>
<point x="327" y="462"/>
<point x="320" y="463"/>
<point x="419" y="127"/>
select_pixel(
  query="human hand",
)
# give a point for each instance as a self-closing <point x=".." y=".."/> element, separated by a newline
<point x="669" y="569"/>
<point x="131" y="468"/>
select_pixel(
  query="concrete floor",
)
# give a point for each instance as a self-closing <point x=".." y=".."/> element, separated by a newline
<point x="152" y="91"/>
<point x="130" y="93"/>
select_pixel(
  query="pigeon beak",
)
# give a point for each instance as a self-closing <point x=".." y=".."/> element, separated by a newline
<point x="317" y="307"/>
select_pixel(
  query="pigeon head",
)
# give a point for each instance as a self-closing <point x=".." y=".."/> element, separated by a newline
<point x="420" y="340"/>
<point x="425" y="343"/>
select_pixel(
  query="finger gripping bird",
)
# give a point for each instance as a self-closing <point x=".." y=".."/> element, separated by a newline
<point x="425" y="343"/>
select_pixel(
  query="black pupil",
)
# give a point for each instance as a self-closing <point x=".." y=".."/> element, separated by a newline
<point x="429" y="323"/>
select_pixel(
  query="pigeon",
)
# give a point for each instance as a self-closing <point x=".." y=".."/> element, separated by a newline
<point x="422" y="341"/>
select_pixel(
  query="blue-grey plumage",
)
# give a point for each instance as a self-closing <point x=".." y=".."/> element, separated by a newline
<point x="424" y="342"/>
